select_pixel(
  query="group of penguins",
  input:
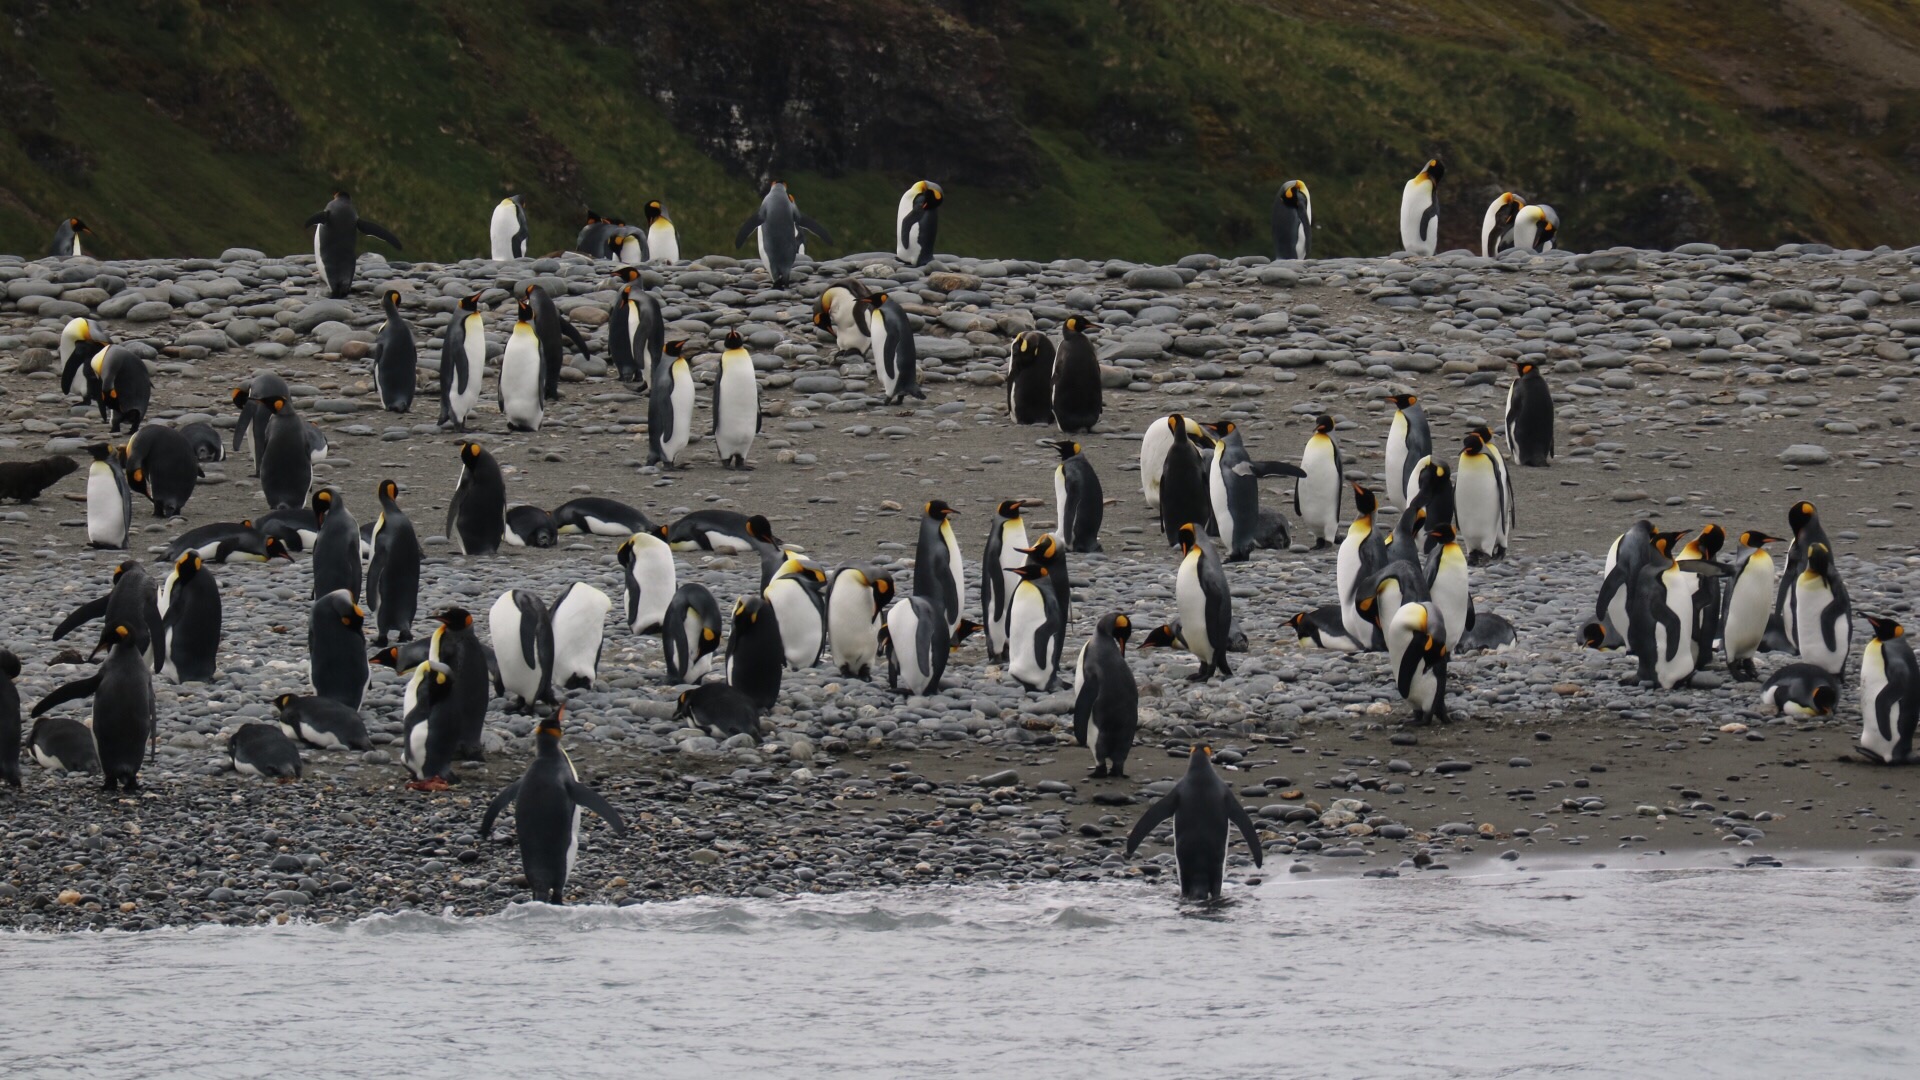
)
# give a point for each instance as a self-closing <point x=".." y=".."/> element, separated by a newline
<point x="1510" y="223"/>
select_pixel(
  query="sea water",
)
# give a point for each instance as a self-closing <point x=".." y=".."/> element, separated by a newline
<point x="1736" y="973"/>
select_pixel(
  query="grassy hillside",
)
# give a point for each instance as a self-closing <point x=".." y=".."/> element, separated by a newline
<point x="1142" y="129"/>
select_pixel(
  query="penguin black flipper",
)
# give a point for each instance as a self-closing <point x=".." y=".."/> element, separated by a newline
<point x="1273" y="468"/>
<point x="317" y="219"/>
<point x="1083" y="704"/>
<point x="812" y="226"/>
<point x="1151" y="820"/>
<point x="596" y="802"/>
<point x="907" y="223"/>
<point x="1409" y="666"/>
<point x="82" y="615"/>
<point x="1239" y="816"/>
<point x="758" y="219"/>
<point x="567" y="328"/>
<point x="379" y="232"/>
<point x="499" y="803"/>
<point x="73" y="691"/>
<point x="1775" y="639"/>
<point x="1432" y="214"/>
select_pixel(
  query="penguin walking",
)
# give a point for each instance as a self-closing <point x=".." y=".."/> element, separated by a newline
<point x="756" y="653"/>
<point x="337" y="649"/>
<point x="1824" y="612"/>
<point x="395" y="357"/>
<point x="777" y="225"/>
<point x="477" y="514"/>
<point x="1106" y="699"/>
<point x="9" y="720"/>
<point x="123" y="709"/>
<point x="286" y="464"/>
<point x="1316" y="498"/>
<point x="1409" y="441"/>
<point x="1480" y="507"/>
<point x="578" y="618"/>
<point x="336" y="552"/>
<point x="109" y="499"/>
<point x="1496" y="225"/>
<point x="1005" y="541"/>
<point x="1076" y="378"/>
<point x="1292" y="220"/>
<point x="1202" y="807"/>
<point x="1801" y="690"/>
<point x="690" y="633"/>
<point x="126" y="389"/>
<point x="463" y="363"/>
<point x="552" y="330"/>
<point x="547" y="800"/>
<point x="1035" y="630"/>
<point x="1030" y="379"/>
<point x="662" y="241"/>
<point x="801" y="611"/>
<point x="507" y="230"/>
<point x="839" y="311"/>
<point x="523" y="644"/>
<point x="521" y="397"/>
<point x="1362" y="552"/>
<point x="1183" y="479"/>
<point x="1530" y="417"/>
<point x="336" y="242"/>
<point x="636" y="333"/>
<point x="1889" y="695"/>
<point x="322" y="722"/>
<point x="1418" y="657"/>
<point x="1079" y="501"/>
<point x="162" y="466"/>
<point x="263" y="750"/>
<point x="1747" y="607"/>
<point x="189" y="604"/>
<point x="1535" y="227"/>
<point x="917" y="644"/>
<point x="1233" y="492"/>
<point x="937" y="568"/>
<point x="393" y="572"/>
<point x="1204" y="602"/>
<point x="648" y="575"/>
<point x="66" y="239"/>
<point x="917" y="222"/>
<point x="854" y="603"/>
<point x="80" y="341"/>
<point x="895" y="356"/>
<point x="736" y="404"/>
<point x="1420" y="210"/>
<point x="670" y="408"/>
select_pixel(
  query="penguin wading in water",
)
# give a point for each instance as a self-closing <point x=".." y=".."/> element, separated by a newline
<point x="521" y="398"/>
<point x="507" y="230"/>
<point x="1409" y="440"/>
<point x="1292" y="221"/>
<point x="854" y="603"/>
<point x="1205" y="605"/>
<point x="123" y="709"/>
<point x="189" y="604"/>
<point x="1203" y="809"/>
<point x="662" y="241"/>
<point x="1420" y="210"/>
<point x="670" y="408"/>
<point x="1076" y="378"/>
<point x="1496" y="226"/>
<point x="1035" y="630"/>
<point x="523" y="645"/>
<point x="1079" y="500"/>
<point x="1889" y="695"/>
<point x="393" y="572"/>
<point x="917" y="222"/>
<point x="895" y="356"/>
<point x="1106" y="699"/>
<point x="463" y="363"/>
<point x="547" y="800"/>
<point x="1530" y="417"/>
<point x="395" y="357"/>
<point x="736" y="404"/>
<point x="1005" y="540"/>
<point x="477" y="513"/>
<point x="1748" y="606"/>
<point x="1316" y="498"/>
<point x="336" y="243"/>
<point x="1030" y="379"/>
<point x="109" y="499"/>
<point x="776" y="225"/>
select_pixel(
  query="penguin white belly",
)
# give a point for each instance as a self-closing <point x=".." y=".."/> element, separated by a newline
<point x="1093" y="715"/>
<point x="48" y="761"/>
<point x="653" y="574"/>
<point x="760" y="242"/>
<point x="1748" y="607"/>
<point x="319" y="260"/>
<point x="1414" y="201"/>
<point x="908" y="248"/>
<point x="1191" y="601"/>
<point x="681" y="397"/>
<point x="325" y="740"/>
<point x="1674" y="649"/>
<point x="847" y="335"/>
<point x="1423" y="688"/>
<point x="506" y="223"/>
<point x="800" y="629"/>
<point x="573" y="846"/>
<point x="463" y="402"/>
<point x="738" y="394"/>
<point x="1059" y="504"/>
<point x="1029" y="656"/>
<point x="416" y="749"/>
<point x="520" y="391"/>
<point x="1217" y="494"/>
<point x="1813" y="599"/>
<point x="1453" y="596"/>
<point x="850" y="627"/>
<point x="521" y="678"/>
<point x="1397" y="461"/>
<point x="662" y="241"/>
<point x="1346" y="578"/>
<point x="245" y="768"/>
<point x="957" y="571"/>
<point x="1477" y="507"/>
<point x="1153" y="458"/>
<point x="889" y="375"/>
<point x="1320" y="490"/>
<point x="690" y="631"/>
<point x="1873" y="680"/>
<point x="903" y="627"/>
<point x="106" y="511"/>
<point x="727" y="543"/>
<point x="578" y="626"/>
<point x="168" y="669"/>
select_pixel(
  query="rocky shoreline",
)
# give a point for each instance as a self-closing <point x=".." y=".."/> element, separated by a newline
<point x="1699" y="385"/>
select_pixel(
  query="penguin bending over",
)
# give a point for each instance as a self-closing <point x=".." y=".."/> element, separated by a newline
<point x="1292" y="221"/>
<point x="690" y="633"/>
<point x="777" y="224"/>
<point x="1076" y="378"/>
<point x="546" y="814"/>
<point x="477" y="514"/>
<point x="1106" y="699"/>
<point x="523" y="644"/>
<point x="1030" y="379"/>
<point x="1496" y="227"/>
<point x="1889" y="695"/>
<point x="855" y="601"/>
<point x="255" y="414"/>
<point x="917" y="643"/>
<point x="1535" y="227"/>
<point x="839" y="312"/>
<point x="1417" y="652"/>
<point x="552" y="330"/>
<point x="1420" y="210"/>
<point x="336" y="243"/>
<point x="131" y="601"/>
<point x="1202" y="807"/>
<point x="162" y="465"/>
<point x="80" y="341"/>
<point x="578" y="618"/>
<point x="917" y="221"/>
<point x="795" y="599"/>
<point x="396" y="359"/>
<point x="126" y="390"/>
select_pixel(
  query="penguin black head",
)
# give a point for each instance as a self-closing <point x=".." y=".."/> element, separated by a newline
<point x="1593" y="635"/>
<point x="393" y="297"/>
<point x="1434" y="170"/>
<point x="1711" y="539"/>
<point x="389" y="490"/>
<point x="938" y="508"/>
<point x="1547" y="229"/>
<point x="655" y="211"/>
<point x="1162" y="635"/>
<point x="735" y="341"/>
<point x="341" y="193"/>
<point x="1799" y="515"/>
<point x="470" y="452"/>
<point x="1367" y="606"/>
<point x="9" y="664"/>
<point x="1189" y="537"/>
<point x="524" y="311"/>
<point x="77" y="225"/>
<point x="1884" y="629"/>
<point x="1077" y="325"/>
<point x="277" y="403"/>
<point x="1663" y="542"/>
<point x="1525" y="367"/>
<point x="1819" y="560"/>
<point x="1485" y="433"/>
<point x="1046" y="547"/>
<point x="1010" y="509"/>
<point x="1067" y="447"/>
<point x="761" y="529"/>
<point x="454" y="618"/>
<point x="1473" y="444"/>
<point x="1119" y="626"/>
<point x="1753" y="538"/>
<point x="547" y="735"/>
<point x="99" y="451"/>
<point x="1222" y="428"/>
<point x="965" y="630"/>
<point x="1028" y="572"/>
<point x="470" y="303"/>
<point x="1443" y="532"/>
<point x="1323" y="424"/>
<point x="1825" y="697"/>
<point x="1403" y="401"/>
<point x="1363" y="501"/>
<point x="387" y="657"/>
<point x="188" y="564"/>
<point x="1302" y="623"/>
<point x="882" y="584"/>
<point x="1291" y="191"/>
<point x="747" y="609"/>
<point x="354" y="616"/>
<point x="323" y="502"/>
<point x="674" y="348"/>
<point x="629" y="275"/>
<point x="285" y="700"/>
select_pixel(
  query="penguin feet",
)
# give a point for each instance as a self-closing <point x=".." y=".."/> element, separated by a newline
<point x="431" y="783"/>
<point x="1202" y="675"/>
<point x="1099" y="773"/>
<point x="1744" y="671"/>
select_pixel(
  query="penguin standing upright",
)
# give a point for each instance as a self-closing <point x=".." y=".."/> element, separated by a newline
<point x="1005" y="539"/>
<point x="1708" y="592"/>
<point x="1155" y="441"/>
<point x="1449" y="588"/>
<point x="80" y="341"/>
<point x="9" y="720"/>
<point x="477" y="513"/>
<point x="1183" y="480"/>
<point x="1480" y="504"/>
<point x="1420" y="210"/>
<point x="1106" y="699"/>
<point x="162" y="466"/>
<point x="1804" y="519"/>
<point x="1889" y="695"/>
<point x="286" y="465"/>
<point x="552" y="329"/>
<point x="937" y="569"/>
<point x="393" y="572"/>
<point x="255" y="415"/>
<point x="456" y="649"/>
<point x="336" y="243"/>
<point x="1047" y="551"/>
<point x="521" y="398"/>
<point x="592" y="241"/>
<point x="1535" y="227"/>
<point x="1233" y="493"/>
<point x="917" y="644"/>
<point x="66" y="239"/>
<point x="1292" y="220"/>
<point x="662" y="241"/>
<point x="1076" y="378"/>
<point x="1030" y="379"/>
<point x="736" y="404"/>
<point x="1080" y="503"/>
<point x="546" y="814"/>
<point x="839" y="311"/>
<point x="756" y="654"/>
<point x="794" y="596"/>
<point x="1825" y="614"/>
<point x="523" y="645"/>
<point x="690" y="633"/>
<point x="1417" y="655"/>
<point x="1202" y="807"/>
<point x="777" y="224"/>
<point x="109" y="499"/>
<point x="1496" y="226"/>
<point x="1036" y="630"/>
<point x="578" y="617"/>
<point x="1362" y="552"/>
<point x="1204" y="602"/>
<point x="1500" y="471"/>
<point x="670" y="408"/>
<point x="189" y="603"/>
<point x="896" y="358"/>
<point x="1409" y="440"/>
<point x="647" y="571"/>
<point x="917" y="222"/>
<point x="1316" y="498"/>
<point x="336" y="552"/>
<point x="508" y="228"/>
<point x="395" y="357"/>
<point x="123" y="709"/>
<point x="126" y="389"/>
<point x="337" y="649"/>
<point x="463" y="363"/>
<point x="854" y="603"/>
<point x="131" y="601"/>
<point x="636" y="334"/>
<point x="1747" y="607"/>
<point x="1529" y="416"/>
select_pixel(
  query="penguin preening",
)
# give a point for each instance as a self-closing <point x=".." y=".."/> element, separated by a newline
<point x="507" y="230"/>
<point x="395" y="357"/>
<point x="663" y="242"/>
<point x="1535" y="227"/>
<point x="647" y="570"/>
<point x="286" y="463"/>
<point x="162" y="466"/>
<point x="523" y="645"/>
<point x="1417" y="653"/>
<point x="855" y="602"/>
<point x="1030" y="379"/>
<point x="1076" y="378"/>
<point x="1203" y="808"/>
<point x="1420" y="210"/>
<point x="1496" y="227"/>
<point x="690" y="633"/>
<point x="547" y="800"/>
<point x="777" y="224"/>
<point x="255" y="415"/>
<point x="1036" y="629"/>
<point x="917" y="643"/>
<point x="80" y="341"/>
<point x="917" y="222"/>
<point x="594" y="235"/>
<point x="1292" y="221"/>
<point x="336" y="242"/>
<point x="839" y="312"/>
<point x="66" y="239"/>
<point x="126" y="389"/>
<point x="794" y="594"/>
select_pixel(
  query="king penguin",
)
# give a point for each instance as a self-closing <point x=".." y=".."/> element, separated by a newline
<point x="736" y="404"/>
<point x="80" y="341"/>
<point x="670" y="408"/>
<point x="1106" y="699"/>
<point x="756" y="654"/>
<point x="1824" y="612"/>
<point x="477" y="513"/>
<point x="1076" y="378"/>
<point x="337" y="649"/>
<point x="1204" y="602"/>
<point x="1409" y="440"/>
<point x="393" y="572"/>
<point x="508" y="228"/>
<point x="662" y="241"/>
<point x="1362" y="552"/>
<point x="547" y="800"/>
<point x="690" y="633"/>
<point x="1036" y="630"/>
<point x="1183" y="478"/>
<point x="523" y="646"/>
<point x="463" y="363"/>
<point x="895" y="356"/>
<point x="937" y="568"/>
<point x="1529" y="416"/>
<point x="336" y="551"/>
<point x="189" y="603"/>
<point x="123" y="709"/>
<point x="395" y="358"/>
<point x="1418" y="657"/>
<point x="777" y="225"/>
<point x="839" y="312"/>
<point x="1535" y="227"/>
<point x="917" y="644"/>
<point x="521" y="398"/>
<point x="1889" y="695"/>
<point x="1747" y="608"/>
<point x="1203" y="809"/>
<point x="578" y="617"/>
<point x="1030" y="379"/>
<point x="794" y="594"/>
<point x="854" y="603"/>
<point x="336" y="242"/>
<point x="1420" y="210"/>
<point x="109" y="499"/>
<point x="917" y="222"/>
<point x="286" y="465"/>
<point x="647" y="571"/>
<point x="66" y="239"/>
<point x="1316" y="498"/>
<point x="1005" y="539"/>
<point x="1079" y="501"/>
<point x="1480" y="503"/>
<point x="1496" y="226"/>
<point x="1292" y="221"/>
<point x="9" y="720"/>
